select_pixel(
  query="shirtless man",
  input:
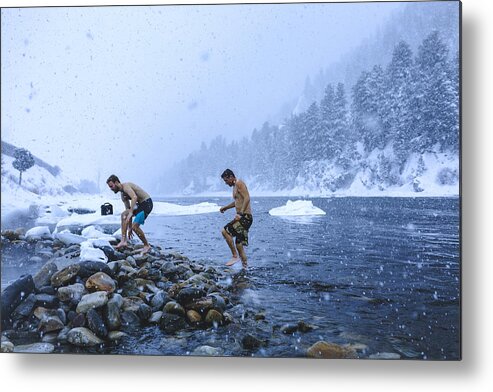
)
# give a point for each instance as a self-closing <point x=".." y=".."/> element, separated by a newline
<point x="242" y="221"/>
<point x="132" y="196"/>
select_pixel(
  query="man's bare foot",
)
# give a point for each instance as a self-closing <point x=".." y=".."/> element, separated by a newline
<point x="145" y="249"/>
<point x="233" y="261"/>
<point x="122" y="244"/>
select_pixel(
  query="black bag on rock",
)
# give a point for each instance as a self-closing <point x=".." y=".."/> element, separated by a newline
<point x="106" y="209"/>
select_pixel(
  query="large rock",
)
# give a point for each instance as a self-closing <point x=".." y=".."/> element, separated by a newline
<point x="159" y="300"/>
<point x="214" y="318"/>
<point x="208" y="351"/>
<point x="194" y="317"/>
<point x="144" y="312"/>
<point x="172" y="323"/>
<point x="92" y="301"/>
<point x="188" y="294"/>
<point x="43" y="276"/>
<point x="69" y="238"/>
<point x="50" y="324"/>
<point x="13" y="295"/>
<point x="25" y="307"/>
<point x="327" y="350"/>
<point x="96" y="323"/>
<point x="100" y="282"/>
<point x="88" y="268"/>
<point x="132" y="303"/>
<point x="174" y="308"/>
<point x="38" y="233"/>
<point x="83" y="337"/>
<point x="201" y="305"/>
<point x="250" y="342"/>
<point x="72" y="293"/>
<point x="47" y="301"/>
<point x="65" y="276"/>
<point x="92" y="254"/>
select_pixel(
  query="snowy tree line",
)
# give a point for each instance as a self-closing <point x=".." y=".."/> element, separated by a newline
<point x="410" y="105"/>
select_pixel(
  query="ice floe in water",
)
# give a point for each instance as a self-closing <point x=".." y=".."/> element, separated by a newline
<point x="297" y="208"/>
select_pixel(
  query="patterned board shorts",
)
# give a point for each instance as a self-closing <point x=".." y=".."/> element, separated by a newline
<point x="239" y="229"/>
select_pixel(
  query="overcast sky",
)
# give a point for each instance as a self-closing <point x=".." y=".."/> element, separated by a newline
<point x="129" y="90"/>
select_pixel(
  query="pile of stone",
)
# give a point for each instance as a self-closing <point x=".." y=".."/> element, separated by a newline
<point x="93" y="303"/>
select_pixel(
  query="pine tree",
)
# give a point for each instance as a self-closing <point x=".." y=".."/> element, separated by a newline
<point x="23" y="161"/>
<point x="398" y="98"/>
<point x="436" y="103"/>
<point x="325" y="149"/>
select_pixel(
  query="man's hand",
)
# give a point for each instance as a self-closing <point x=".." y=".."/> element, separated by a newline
<point x="237" y="217"/>
<point x="129" y="215"/>
<point x="222" y="209"/>
<point x="130" y="233"/>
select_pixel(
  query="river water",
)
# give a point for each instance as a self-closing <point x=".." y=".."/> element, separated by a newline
<point x="378" y="272"/>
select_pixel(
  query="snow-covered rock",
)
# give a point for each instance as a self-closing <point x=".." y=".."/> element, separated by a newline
<point x="39" y="233"/>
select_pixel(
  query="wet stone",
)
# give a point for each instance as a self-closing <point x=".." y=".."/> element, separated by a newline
<point x="100" y="281"/>
<point x="50" y="324"/>
<point x="65" y="276"/>
<point x="79" y="320"/>
<point x="250" y="342"/>
<point x="172" y="323"/>
<point x="214" y="318"/>
<point x="194" y="317"/>
<point x="88" y="268"/>
<point x="92" y="301"/>
<point x="25" y="307"/>
<point x="159" y="299"/>
<point x="130" y="319"/>
<point x="47" y="301"/>
<point x="144" y="312"/>
<point x="43" y="276"/>
<point x="47" y="290"/>
<point x="83" y="337"/>
<point x="71" y="293"/>
<point x="174" y="308"/>
<point x="327" y="350"/>
<point x="96" y="324"/>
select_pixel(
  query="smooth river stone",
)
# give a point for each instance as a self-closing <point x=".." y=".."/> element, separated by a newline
<point x="83" y="337"/>
<point x="92" y="301"/>
<point x="65" y="276"/>
<point x="100" y="282"/>
<point x="72" y="292"/>
<point x="43" y="276"/>
<point x="327" y="350"/>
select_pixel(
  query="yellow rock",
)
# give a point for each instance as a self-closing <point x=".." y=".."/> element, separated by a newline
<point x="326" y="350"/>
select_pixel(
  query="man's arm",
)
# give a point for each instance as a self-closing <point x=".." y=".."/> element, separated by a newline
<point x="133" y="198"/>
<point x="230" y="205"/>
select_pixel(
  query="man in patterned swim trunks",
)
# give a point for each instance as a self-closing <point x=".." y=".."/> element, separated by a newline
<point x="138" y="203"/>
<point x="242" y="221"/>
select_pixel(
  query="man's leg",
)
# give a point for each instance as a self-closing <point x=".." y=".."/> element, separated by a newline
<point x="136" y="228"/>
<point x="229" y="241"/>
<point x="241" y="251"/>
<point x="123" y="242"/>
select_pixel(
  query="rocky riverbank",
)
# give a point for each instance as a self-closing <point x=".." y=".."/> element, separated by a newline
<point x="88" y="298"/>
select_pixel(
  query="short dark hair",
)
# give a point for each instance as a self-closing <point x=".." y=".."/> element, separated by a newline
<point x="112" y="178"/>
<point x="227" y="173"/>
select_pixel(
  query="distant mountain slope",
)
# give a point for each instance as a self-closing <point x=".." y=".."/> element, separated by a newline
<point x="9" y="149"/>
